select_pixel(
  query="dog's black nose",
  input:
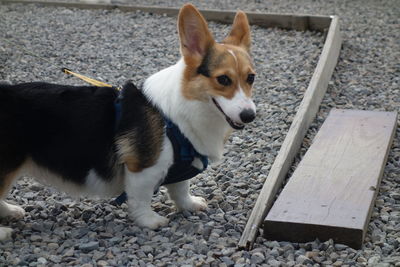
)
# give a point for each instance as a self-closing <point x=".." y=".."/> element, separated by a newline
<point x="247" y="115"/>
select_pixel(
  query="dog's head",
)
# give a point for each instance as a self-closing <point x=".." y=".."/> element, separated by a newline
<point x="219" y="73"/>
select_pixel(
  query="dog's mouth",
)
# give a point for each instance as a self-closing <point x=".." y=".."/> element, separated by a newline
<point x="234" y="125"/>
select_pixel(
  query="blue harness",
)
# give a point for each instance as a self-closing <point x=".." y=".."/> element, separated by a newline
<point x="184" y="154"/>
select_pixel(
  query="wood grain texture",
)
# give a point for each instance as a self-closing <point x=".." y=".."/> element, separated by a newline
<point x="291" y="145"/>
<point x="332" y="191"/>
<point x="269" y="20"/>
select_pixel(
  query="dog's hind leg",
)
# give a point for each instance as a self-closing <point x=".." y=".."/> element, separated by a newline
<point x="8" y="210"/>
<point x="180" y="194"/>
<point x="11" y="211"/>
<point x="13" y="150"/>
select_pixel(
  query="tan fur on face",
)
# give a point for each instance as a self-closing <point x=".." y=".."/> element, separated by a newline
<point x="227" y="60"/>
<point x="230" y="58"/>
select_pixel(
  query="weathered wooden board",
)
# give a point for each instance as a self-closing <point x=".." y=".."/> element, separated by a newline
<point x="269" y="20"/>
<point x="332" y="191"/>
<point x="305" y="115"/>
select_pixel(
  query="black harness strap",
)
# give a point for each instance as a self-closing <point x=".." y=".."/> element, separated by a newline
<point x="184" y="154"/>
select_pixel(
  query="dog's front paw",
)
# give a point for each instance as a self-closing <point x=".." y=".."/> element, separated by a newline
<point x="151" y="220"/>
<point x="192" y="203"/>
<point x="11" y="211"/>
<point x="5" y="233"/>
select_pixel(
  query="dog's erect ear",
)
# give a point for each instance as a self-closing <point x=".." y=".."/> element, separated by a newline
<point x="194" y="35"/>
<point x="240" y="33"/>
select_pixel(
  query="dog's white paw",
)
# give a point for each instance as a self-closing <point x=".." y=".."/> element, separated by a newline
<point x="192" y="203"/>
<point x="151" y="220"/>
<point x="11" y="211"/>
<point x="5" y="233"/>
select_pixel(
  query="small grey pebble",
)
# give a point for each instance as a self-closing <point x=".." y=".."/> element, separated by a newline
<point x="257" y="258"/>
<point x="301" y="259"/>
<point x="36" y="238"/>
<point x="41" y="260"/>
<point x="146" y="249"/>
<point x="340" y="246"/>
<point x="88" y="247"/>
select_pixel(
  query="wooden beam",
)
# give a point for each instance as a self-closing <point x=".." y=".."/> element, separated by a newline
<point x="304" y="116"/>
<point x="270" y="20"/>
<point x="333" y="190"/>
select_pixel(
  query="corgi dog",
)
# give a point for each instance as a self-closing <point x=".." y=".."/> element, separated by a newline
<point x="96" y="140"/>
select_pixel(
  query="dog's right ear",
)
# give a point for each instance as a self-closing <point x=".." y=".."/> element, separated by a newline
<point x="194" y="35"/>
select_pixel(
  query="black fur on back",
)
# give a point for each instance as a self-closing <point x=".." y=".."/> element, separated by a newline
<point x="66" y="129"/>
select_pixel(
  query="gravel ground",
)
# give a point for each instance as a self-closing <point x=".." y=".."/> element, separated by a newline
<point x="113" y="46"/>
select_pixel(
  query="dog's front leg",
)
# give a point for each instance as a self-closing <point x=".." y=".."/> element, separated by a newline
<point x="180" y="194"/>
<point x="140" y="188"/>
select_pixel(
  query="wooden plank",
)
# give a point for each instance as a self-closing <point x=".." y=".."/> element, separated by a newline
<point x="269" y="20"/>
<point x="304" y="116"/>
<point x="332" y="191"/>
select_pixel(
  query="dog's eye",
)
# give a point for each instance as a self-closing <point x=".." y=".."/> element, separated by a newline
<point x="224" y="80"/>
<point x="250" y="78"/>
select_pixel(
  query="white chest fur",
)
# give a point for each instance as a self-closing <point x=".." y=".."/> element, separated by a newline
<point x="197" y="120"/>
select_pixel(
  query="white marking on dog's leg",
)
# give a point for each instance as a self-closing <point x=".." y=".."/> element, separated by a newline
<point x="11" y="211"/>
<point x="5" y="233"/>
<point x="140" y="188"/>
<point x="179" y="193"/>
